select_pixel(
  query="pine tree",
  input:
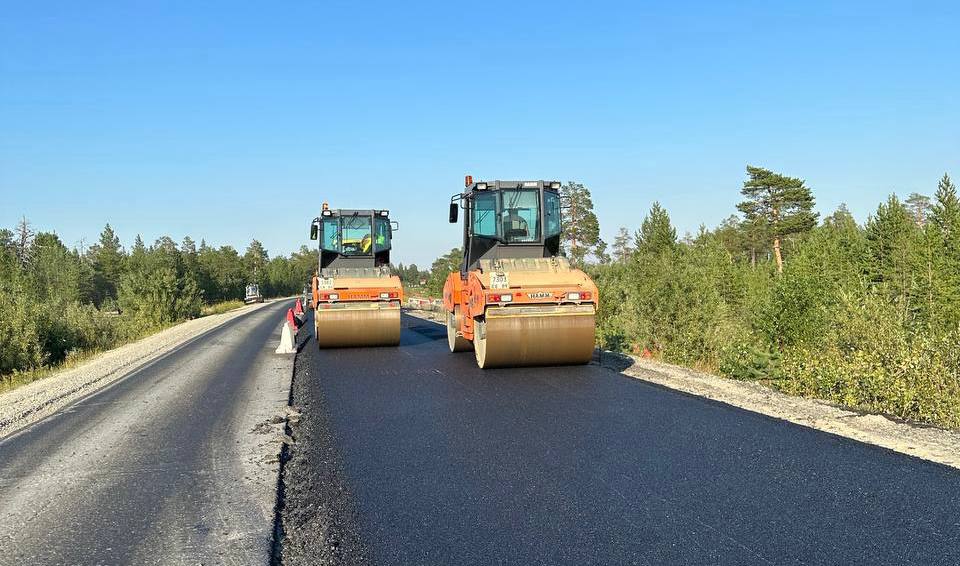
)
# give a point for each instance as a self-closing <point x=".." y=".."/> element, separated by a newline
<point x="156" y="289"/>
<point x="581" y="229"/>
<point x="255" y="261"/>
<point x="778" y="206"/>
<point x="191" y="260"/>
<point x="919" y="207"/>
<point x="891" y="238"/>
<point x="621" y="246"/>
<point x="945" y="215"/>
<point x="946" y="212"/>
<point x="108" y="259"/>
<point x="656" y="234"/>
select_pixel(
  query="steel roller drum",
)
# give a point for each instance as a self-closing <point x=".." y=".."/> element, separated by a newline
<point x="535" y="336"/>
<point x="454" y="342"/>
<point x="360" y="324"/>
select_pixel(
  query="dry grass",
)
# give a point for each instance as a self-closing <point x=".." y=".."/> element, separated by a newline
<point x="220" y="308"/>
<point x="16" y="379"/>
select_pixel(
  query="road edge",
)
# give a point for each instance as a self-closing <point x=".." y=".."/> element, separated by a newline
<point x="928" y="443"/>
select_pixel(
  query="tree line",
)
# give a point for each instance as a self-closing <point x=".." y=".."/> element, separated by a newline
<point x="56" y="301"/>
<point x="864" y="315"/>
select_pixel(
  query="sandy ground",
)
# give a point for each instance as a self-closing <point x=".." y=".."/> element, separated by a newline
<point x="928" y="443"/>
<point x="35" y="401"/>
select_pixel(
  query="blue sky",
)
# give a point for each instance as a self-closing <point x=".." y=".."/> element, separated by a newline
<point x="235" y="120"/>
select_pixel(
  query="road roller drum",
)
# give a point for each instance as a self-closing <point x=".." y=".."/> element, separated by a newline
<point x="534" y="336"/>
<point x="370" y="324"/>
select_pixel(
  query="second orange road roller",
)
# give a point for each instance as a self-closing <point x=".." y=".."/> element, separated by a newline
<point x="356" y="300"/>
<point x="516" y="301"/>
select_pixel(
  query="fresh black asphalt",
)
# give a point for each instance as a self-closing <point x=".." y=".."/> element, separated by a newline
<point x="412" y="455"/>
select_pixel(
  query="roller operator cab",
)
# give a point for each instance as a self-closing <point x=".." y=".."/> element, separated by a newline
<point x="516" y="301"/>
<point x="356" y="300"/>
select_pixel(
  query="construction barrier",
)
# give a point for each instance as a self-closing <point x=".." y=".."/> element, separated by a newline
<point x="288" y="336"/>
<point x="425" y="304"/>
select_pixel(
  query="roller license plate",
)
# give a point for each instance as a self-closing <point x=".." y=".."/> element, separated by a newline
<point x="499" y="281"/>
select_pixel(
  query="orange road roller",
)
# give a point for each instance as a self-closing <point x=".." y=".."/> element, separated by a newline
<point x="356" y="300"/>
<point x="516" y="301"/>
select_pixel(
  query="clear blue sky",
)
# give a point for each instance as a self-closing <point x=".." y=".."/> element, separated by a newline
<point x="235" y="120"/>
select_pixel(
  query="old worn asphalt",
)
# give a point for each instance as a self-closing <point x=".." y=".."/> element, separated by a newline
<point x="168" y="465"/>
<point x="415" y="456"/>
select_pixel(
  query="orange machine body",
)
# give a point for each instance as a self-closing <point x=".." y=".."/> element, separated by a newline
<point x="358" y="289"/>
<point x="469" y="298"/>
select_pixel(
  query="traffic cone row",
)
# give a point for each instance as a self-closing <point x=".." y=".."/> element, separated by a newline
<point x="291" y="326"/>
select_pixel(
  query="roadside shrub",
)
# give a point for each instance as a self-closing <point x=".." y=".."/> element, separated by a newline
<point x="789" y="311"/>
<point x="746" y="360"/>
<point x="20" y="338"/>
<point x="157" y="297"/>
<point x="918" y="381"/>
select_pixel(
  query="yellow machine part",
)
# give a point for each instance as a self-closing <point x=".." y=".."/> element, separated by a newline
<point x="535" y="335"/>
<point x="358" y="324"/>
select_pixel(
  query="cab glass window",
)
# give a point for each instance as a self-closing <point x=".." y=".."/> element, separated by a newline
<point x="485" y="213"/>
<point x="551" y="206"/>
<point x="356" y="238"/>
<point x="382" y="234"/>
<point x="520" y="215"/>
<point x="330" y="234"/>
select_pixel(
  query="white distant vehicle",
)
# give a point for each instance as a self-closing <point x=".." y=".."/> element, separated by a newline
<point x="253" y="294"/>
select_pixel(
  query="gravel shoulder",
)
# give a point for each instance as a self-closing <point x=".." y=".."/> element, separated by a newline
<point x="929" y="443"/>
<point x="35" y="401"/>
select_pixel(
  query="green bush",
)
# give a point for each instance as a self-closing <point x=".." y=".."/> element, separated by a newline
<point x="20" y="331"/>
<point x="917" y="381"/>
<point x="859" y="316"/>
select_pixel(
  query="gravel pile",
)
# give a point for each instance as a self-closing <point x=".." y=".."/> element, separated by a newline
<point x="319" y="523"/>
<point x="35" y="401"/>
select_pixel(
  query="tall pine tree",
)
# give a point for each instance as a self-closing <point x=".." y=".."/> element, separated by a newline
<point x="581" y="229"/>
<point x="108" y="264"/>
<point x="945" y="215"/>
<point x="778" y="206"/>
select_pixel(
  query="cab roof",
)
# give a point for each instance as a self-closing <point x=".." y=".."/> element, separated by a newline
<point x="498" y="184"/>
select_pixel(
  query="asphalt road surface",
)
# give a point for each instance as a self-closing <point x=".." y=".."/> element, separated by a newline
<point x="438" y="462"/>
<point x="168" y="465"/>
